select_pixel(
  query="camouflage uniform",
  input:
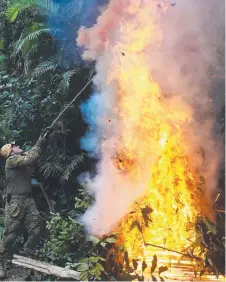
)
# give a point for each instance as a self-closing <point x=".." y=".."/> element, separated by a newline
<point x="20" y="207"/>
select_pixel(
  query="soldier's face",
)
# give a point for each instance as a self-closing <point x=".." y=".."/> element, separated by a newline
<point x="16" y="150"/>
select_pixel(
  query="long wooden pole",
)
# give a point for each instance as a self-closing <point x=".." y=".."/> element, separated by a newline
<point x="67" y="107"/>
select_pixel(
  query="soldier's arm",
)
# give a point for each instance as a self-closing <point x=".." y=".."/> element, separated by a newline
<point x="30" y="158"/>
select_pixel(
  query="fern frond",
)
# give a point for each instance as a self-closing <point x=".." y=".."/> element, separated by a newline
<point x="17" y="6"/>
<point x="65" y="83"/>
<point x="30" y="37"/>
<point x="51" y="168"/>
<point x="49" y="65"/>
<point x="75" y="162"/>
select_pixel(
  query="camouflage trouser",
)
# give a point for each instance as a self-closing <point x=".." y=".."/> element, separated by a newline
<point x="21" y="211"/>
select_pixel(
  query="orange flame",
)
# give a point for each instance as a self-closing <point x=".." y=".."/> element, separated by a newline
<point x="152" y="147"/>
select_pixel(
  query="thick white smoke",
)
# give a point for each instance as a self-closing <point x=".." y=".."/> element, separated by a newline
<point x="181" y="59"/>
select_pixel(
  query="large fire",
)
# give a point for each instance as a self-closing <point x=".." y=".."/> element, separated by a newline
<point x="172" y="194"/>
<point x="148" y="152"/>
<point x="150" y="126"/>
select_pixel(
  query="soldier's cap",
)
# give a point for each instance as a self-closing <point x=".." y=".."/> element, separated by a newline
<point x="6" y="150"/>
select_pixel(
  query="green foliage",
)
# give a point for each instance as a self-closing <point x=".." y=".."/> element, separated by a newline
<point x="64" y="235"/>
<point x="74" y="163"/>
<point x="25" y="42"/>
<point x="90" y="268"/>
<point x="68" y="246"/>
<point x="49" y="65"/>
<point x="209" y="246"/>
<point x="66" y="78"/>
<point x="17" y="6"/>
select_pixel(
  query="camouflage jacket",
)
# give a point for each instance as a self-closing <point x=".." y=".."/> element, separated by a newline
<point x="18" y="170"/>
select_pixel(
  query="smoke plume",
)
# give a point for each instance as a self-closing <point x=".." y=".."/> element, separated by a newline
<point x="181" y="45"/>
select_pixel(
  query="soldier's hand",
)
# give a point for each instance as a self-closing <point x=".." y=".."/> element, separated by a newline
<point x="41" y="141"/>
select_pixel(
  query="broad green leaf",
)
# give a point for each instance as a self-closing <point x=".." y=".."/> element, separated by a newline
<point x="84" y="260"/>
<point x="103" y="244"/>
<point x="83" y="267"/>
<point x="1" y="43"/>
<point x="94" y="239"/>
<point x="98" y="273"/>
<point x="101" y="259"/>
<point x="14" y="16"/>
<point x="94" y="259"/>
<point x="100" y="266"/>
<point x="84" y="276"/>
<point x="111" y="240"/>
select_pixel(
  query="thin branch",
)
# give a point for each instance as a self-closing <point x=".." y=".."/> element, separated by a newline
<point x="218" y="195"/>
<point x="173" y="251"/>
<point x="46" y="197"/>
<point x="220" y="211"/>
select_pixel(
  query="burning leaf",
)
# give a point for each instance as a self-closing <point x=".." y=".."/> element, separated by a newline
<point x="147" y="210"/>
<point x="162" y="269"/>
<point x="202" y="272"/>
<point x="132" y="212"/>
<point x="140" y="278"/>
<point x="153" y="278"/>
<point x="126" y="258"/>
<point x="144" y="266"/>
<point x="136" y="224"/>
<point x="211" y="263"/>
<point x="154" y="263"/>
<point x="210" y="226"/>
<point x="145" y="214"/>
<point x="135" y="264"/>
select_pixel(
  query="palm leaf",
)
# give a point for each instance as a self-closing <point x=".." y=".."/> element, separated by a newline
<point x="51" y="168"/>
<point x="29" y="38"/>
<point x="65" y="83"/>
<point x="49" y="65"/>
<point x="17" y="6"/>
<point x="75" y="162"/>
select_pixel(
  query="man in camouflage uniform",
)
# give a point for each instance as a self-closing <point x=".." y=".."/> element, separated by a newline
<point x="20" y="206"/>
